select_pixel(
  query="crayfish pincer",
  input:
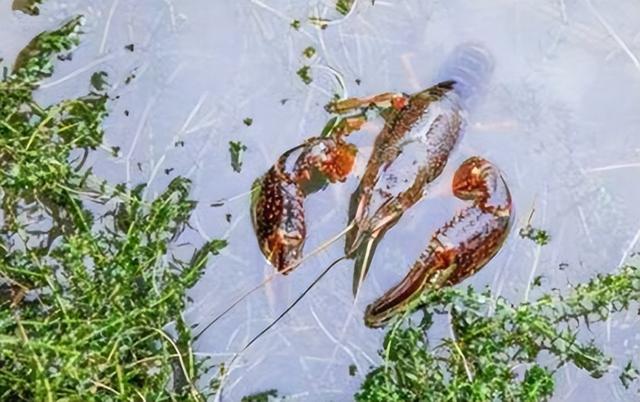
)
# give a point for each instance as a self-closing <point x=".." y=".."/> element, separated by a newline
<point x="277" y="204"/>
<point x="459" y="248"/>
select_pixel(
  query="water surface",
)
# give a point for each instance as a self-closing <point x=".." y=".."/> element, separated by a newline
<point x="560" y="118"/>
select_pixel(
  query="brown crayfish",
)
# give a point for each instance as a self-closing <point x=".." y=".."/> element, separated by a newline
<point x="420" y="132"/>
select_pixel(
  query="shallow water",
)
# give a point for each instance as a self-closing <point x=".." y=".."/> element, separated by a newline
<point x="559" y="117"/>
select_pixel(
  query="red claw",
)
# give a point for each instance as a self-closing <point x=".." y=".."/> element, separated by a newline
<point x="458" y="249"/>
<point x="278" y="210"/>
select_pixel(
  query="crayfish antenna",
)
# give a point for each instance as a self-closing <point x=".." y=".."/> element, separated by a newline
<point x="268" y="279"/>
<point x="222" y="201"/>
<point x="277" y="319"/>
<point x="292" y="305"/>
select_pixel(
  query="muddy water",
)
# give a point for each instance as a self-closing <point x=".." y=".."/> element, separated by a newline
<point x="559" y="117"/>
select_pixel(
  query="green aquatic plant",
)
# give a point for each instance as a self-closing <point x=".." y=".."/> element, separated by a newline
<point x="344" y="6"/>
<point x="309" y="52"/>
<point x="539" y="236"/>
<point x="305" y="75"/>
<point x="30" y="7"/>
<point x="236" y="150"/>
<point x="90" y="274"/>
<point x="263" y="396"/>
<point x="494" y="346"/>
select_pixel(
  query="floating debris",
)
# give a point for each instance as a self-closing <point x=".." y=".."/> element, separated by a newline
<point x="236" y="149"/>
<point x="309" y="52"/>
<point x="538" y="236"/>
<point x="344" y="6"/>
<point x="29" y="7"/>
<point x="99" y="81"/>
<point x="304" y="75"/>
<point x="263" y="396"/>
